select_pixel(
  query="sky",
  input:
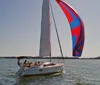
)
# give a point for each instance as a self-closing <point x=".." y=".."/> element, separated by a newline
<point x="20" y="25"/>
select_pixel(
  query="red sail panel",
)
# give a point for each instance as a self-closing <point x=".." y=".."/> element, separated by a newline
<point x="77" y="27"/>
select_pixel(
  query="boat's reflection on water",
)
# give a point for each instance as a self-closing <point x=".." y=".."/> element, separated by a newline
<point x="37" y="79"/>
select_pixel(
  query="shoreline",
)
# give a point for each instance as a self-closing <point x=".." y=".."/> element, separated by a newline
<point x="31" y="57"/>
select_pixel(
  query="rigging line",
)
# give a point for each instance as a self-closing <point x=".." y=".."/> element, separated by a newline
<point x="56" y="31"/>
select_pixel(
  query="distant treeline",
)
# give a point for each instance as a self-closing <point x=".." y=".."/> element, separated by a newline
<point x="31" y="57"/>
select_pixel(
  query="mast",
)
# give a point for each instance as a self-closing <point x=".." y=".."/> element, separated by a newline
<point x="56" y="31"/>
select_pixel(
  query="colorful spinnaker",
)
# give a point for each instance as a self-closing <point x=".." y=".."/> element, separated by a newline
<point x="77" y="27"/>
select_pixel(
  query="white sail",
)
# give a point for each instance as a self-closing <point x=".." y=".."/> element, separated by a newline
<point x="45" y="44"/>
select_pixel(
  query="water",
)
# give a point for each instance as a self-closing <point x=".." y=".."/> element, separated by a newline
<point x="76" y="72"/>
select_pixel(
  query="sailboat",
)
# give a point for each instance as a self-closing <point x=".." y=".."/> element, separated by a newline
<point x="77" y="30"/>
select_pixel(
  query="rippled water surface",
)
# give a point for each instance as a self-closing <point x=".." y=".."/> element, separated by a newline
<point x="76" y="72"/>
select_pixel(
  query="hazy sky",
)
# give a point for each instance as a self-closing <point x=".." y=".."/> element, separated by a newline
<point x="20" y="24"/>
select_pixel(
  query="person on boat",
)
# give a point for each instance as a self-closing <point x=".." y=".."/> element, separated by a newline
<point x="38" y="63"/>
<point x="35" y="63"/>
<point x="25" y="62"/>
<point x="29" y="64"/>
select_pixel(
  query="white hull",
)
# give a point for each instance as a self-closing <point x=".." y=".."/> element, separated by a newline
<point x="40" y="70"/>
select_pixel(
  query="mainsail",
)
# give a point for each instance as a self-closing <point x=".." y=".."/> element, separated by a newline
<point x="45" y="44"/>
<point x="77" y="27"/>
